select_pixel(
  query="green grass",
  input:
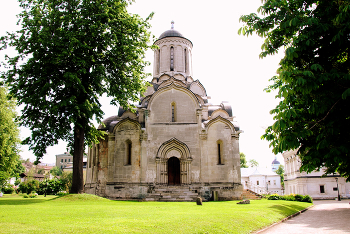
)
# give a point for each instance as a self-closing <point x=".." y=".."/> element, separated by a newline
<point x="90" y="214"/>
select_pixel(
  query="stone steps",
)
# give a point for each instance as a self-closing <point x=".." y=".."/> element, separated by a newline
<point x="250" y="195"/>
<point x="172" y="193"/>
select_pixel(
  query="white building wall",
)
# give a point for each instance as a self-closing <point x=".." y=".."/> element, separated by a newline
<point x="314" y="183"/>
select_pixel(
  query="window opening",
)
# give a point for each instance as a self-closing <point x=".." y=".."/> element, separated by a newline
<point x="219" y="153"/>
<point x="128" y="152"/>
<point x="185" y="61"/>
<point x="257" y="182"/>
<point x="158" y="67"/>
<point x="171" y="58"/>
<point x="321" y="188"/>
<point x="173" y="110"/>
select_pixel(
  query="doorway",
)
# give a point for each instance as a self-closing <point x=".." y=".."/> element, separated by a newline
<point x="174" y="171"/>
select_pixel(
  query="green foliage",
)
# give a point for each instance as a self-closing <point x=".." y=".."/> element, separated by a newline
<point x="299" y="197"/>
<point x="243" y="160"/>
<point x="31" y="195"/>
<point x="274" y="197"/>
<point x="291" y="197"/>
<point x="307" y="198"/>
<point x="56" y="171"/>
<point x="67" y="180"/>
<point x="253" y="163"/>
<point x="313" y="80"/>
<point x="9" y="136"/>
<point x="50" y="186"/>
<point x="280" y="171"/>
<point x="29" y="186"/>
<point x="8" y="189"/>
<point x="69" y="55"/>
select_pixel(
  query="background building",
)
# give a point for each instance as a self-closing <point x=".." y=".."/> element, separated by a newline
<point x="261" y="180"/>
<point x="64" y="160"/>
<point x="314" y="184"/>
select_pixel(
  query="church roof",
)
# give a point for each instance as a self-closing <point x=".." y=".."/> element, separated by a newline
<point x="109" y="122"/>
<point x="256" y="171"/>
<point x="170" y="33"/>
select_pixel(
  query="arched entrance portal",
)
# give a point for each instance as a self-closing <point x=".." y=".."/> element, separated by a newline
<point x="174" y="171"/>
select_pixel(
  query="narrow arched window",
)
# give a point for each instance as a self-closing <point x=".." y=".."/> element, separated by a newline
<point x="219" y="150"/>
<point x="171" y="58"/>
<point x="173" y="112"/>
<point x="158" y="62"/>
<point x="185" y="54"/>
<point x="128" y="152"/>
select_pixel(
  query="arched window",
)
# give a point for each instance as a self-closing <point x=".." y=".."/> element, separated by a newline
<point x="220" y="151"/>
<point x="128" y="152"/>
<point x="171" y="58"/>
<point x="173" y="112"/>
<point x="158" y="62"/>
<point x="185" y="54"/>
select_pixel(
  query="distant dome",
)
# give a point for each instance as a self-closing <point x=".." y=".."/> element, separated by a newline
<point x="275" y="161"/>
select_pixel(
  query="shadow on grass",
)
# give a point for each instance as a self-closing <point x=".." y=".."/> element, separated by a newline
<point x="287" y="210"/>
<point x="24" y="201"/>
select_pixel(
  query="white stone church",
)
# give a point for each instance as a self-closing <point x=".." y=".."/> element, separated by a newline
<point x="176" y="146"/>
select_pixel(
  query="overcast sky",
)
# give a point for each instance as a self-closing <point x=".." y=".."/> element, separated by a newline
<point x="226" y="63"/>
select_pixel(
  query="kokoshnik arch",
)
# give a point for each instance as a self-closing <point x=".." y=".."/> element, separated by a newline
<point x="176" y="138"/>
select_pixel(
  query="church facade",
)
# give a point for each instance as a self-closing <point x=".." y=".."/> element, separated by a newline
<point x="176" y="139"/>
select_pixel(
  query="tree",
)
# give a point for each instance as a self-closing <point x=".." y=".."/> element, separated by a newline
<point x="243" y="160"/>
<point x="253" y="163"/>
<point x="56" y="171"/>
<point x="9" y="137"/>
<point x="69" y="54"/>
<point x="280" y="171"/>
<point x="313" y="80"/>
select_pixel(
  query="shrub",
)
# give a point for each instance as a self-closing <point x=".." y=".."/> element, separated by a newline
<point x="8" y="189"/>
<point x="307" y="198"/>
<point x="299" y="197"/>
<point x="29" y="186"/>
<point x="274" y="197"/>
<point x="290" y="197"/>
<point x="33" y="195"/>
<point x="50" y="186"/>
<point x="62" y="193"/>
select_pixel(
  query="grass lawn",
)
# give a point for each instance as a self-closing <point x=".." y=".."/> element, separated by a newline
<point x="90" y="214"/>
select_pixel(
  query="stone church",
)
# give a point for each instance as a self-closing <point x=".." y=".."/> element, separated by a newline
<point x="176" y="146"/>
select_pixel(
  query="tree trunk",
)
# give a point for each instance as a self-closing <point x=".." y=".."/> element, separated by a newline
<point x="78" y="178"/>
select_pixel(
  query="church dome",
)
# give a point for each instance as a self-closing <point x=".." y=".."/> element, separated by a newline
<point x="275" y="161"/>
<point x="170" y="33"/>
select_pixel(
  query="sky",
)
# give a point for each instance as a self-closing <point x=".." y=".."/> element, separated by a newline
<point x="227" y="64"/>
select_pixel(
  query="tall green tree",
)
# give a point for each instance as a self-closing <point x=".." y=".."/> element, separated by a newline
<point x="243" y="160"/>
<point x="70" y="53"/>
<point x="280" y="171"/>
<point x="253" y="163"/>
<point x="9" y="136"/>
<point x="313" y="80"/>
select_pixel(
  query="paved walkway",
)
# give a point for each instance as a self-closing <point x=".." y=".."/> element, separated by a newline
<point x="328" y="216"/>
